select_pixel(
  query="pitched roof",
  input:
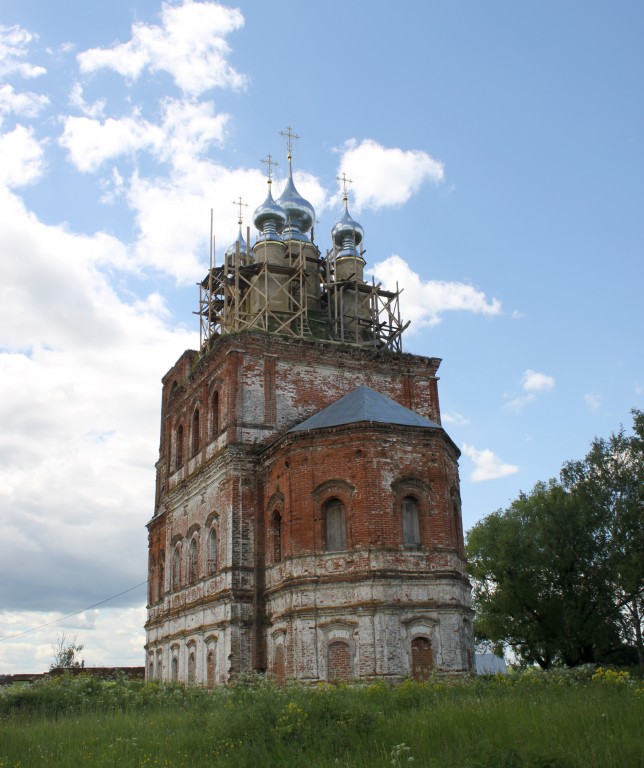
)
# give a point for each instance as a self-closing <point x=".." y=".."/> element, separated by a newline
<point x="364" y="404"/>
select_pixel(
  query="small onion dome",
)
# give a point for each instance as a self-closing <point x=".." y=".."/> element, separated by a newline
<point x="229" y="255"/>
<point x="300" y="214"/>
<point x="347" y="234"/>
<point x="269" y="218"/>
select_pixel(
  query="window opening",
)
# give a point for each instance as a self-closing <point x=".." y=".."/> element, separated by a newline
<point x="335" y="528"/>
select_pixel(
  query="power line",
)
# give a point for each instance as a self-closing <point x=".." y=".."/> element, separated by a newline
<point x="69" y="616"/>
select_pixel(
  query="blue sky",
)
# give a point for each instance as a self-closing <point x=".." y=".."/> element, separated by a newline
<point x="496" y="151"/>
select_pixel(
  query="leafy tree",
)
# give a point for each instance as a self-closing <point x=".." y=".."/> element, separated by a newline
<point x="66" y="653"/>
<point x="558" y="576"/>
<point x="610" y="480"/>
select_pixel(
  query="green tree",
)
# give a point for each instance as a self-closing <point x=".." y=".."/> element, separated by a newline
<point x="610" y="480"/>
<point x="66" y="653"/>
<point x="559" y="575"/>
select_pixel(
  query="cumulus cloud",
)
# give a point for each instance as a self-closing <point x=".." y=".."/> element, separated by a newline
<point x="190" y="45"/>
<point x="79" y="392"/>
<point x="21" y="157"/>
<point x="77" y="100"/>
<point x="91" y="142"/>
<point x="23" y="104"/>
<point x="185" y="131"/>
<point x="386" y="176"/>
<point x="487" y="465"/>
<point x="14" y="46"/>
<point x="533" y="383"/>
<point x="425" y="301"/>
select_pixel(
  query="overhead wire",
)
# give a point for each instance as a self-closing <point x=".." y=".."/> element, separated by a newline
<point x="70" y="615"/>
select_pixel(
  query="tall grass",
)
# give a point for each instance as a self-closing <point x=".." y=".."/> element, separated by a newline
<point x="534" y="720"/>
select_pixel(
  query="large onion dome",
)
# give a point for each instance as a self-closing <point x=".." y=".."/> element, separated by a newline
<point x="300" y="214"/>
<point x="347" y="234"/>
<point x="270" y="218"/>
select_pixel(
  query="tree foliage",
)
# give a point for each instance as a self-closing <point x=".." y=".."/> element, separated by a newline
<point x="558" y="576"/>
<point x="66" y="653"/>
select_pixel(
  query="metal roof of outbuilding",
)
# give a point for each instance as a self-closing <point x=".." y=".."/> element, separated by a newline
<point x="364" y="404"/>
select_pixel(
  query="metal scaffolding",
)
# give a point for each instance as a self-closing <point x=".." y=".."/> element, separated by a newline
<point x="300" y="298"/>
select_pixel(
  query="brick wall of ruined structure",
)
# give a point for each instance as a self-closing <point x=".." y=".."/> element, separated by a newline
<point x="207" y="623"/>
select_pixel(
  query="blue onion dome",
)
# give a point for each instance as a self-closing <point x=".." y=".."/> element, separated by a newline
<point x="270" y="218"/>
<point x="347" y="234"/>
<point x="230" y="252"/>
<point x="300" y="214"/>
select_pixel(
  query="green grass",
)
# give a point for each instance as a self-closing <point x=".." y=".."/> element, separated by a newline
<point x="533" y="720"/>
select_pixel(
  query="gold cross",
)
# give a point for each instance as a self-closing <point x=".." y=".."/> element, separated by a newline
<point x="241" y="205"/>
<point x="344" y="181"/>
<point x="289" y="139"/>
<point x="269" y="162"/>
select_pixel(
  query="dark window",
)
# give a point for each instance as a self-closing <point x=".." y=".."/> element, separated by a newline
<point x="192" y="561"/>
<point x="277" y="537"/>
<point x="179" y="446"/>
<point x="196" y="436"/>
<point x="176" y="567"/>
<point x="215" y="415"/>
<point x="334" y="526"/>
<point x="212" y="551"/>
<point x="411" y="528"/>
<point x="161" y="577"/>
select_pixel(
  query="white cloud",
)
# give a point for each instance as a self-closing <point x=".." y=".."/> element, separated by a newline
<point x="99" y="631"/>
<point x="456" y="419"/>
<point x="424" y="301"/>
<point x="383" y="176"/>
<point x="14" y="44"/>
<point x="21" y="157"/>
<point x="533" y="381"/>
<point x="77" y="100"/>
<point x="79" y="393"/>
<point x="189" y="45"/>
<point x="23" y="104"/>
<point x="487" y="465"/>
<point x="185" y="132"/>
<point x="593" y="401"/>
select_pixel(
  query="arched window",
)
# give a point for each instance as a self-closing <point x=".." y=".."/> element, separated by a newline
<point x="161" y="577"/>
<point x="192" y="666"/>
<point x="211" y="661"/>
<point x="196" y="435"/>
<point x="212" y="551"/>
<point x="335" y="537"/>
<point x="422" y="658"/>
<point x="152" y="583"/>
<point x="176" y="567"/>
<point x="192" y="561"/>
<point x="276" y="535"/>
<point x="214" y="416"/>
<point x="175" y="668"/>
<point x="340" y="666"/>
<point x="410" y="524"/>
<point x="179" y="446"/>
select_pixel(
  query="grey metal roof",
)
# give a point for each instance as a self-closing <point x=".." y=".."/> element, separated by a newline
<point x="364" y="404"/>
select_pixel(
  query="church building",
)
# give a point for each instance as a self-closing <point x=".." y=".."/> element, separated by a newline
<point x="307" y="518"/>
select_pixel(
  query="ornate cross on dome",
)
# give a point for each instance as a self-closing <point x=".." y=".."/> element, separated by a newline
<point x="290" y="135"/>
<point x="241" y="204"/>
<point x="269" y="163"/>
<point x="344" y="181"/>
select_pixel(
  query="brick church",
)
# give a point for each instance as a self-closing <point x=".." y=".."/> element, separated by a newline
<point x="307" y="519"/>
